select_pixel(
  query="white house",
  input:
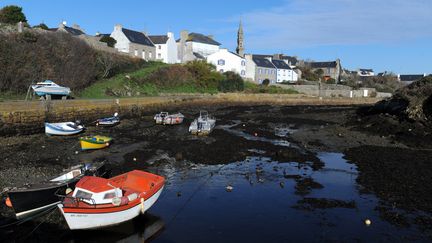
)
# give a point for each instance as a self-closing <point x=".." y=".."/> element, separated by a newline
<point x="134" y="43"/>
<point x="225" y="60"/>
<point x="166" y="47"/>
<point x="195" y="46"/>
<point x="284" y="72"/>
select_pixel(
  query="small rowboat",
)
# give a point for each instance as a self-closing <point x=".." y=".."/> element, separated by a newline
<point x="109" y="121"/>
<point x="98" y="202"/>
<point x="166" y="119"/>
<point x="32" y="199"/>
<point x="94" y="142"/>
<point x="63" y="128"/>
<point x="203" y="125"/>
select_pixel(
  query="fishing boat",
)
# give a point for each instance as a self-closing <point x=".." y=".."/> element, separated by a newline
<point x="94" y="142"/>
<point x="48" y="87"/>
<point x="109" y="121"/>
<point x="167" y="119"/>
<point x="98" y="202"/>
<point x="203" y="125"/>
<point x="32" y="199"/>
<point x="63" y="128"/>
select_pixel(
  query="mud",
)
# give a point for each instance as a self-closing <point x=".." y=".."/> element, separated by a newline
<point x="393" y="161"/>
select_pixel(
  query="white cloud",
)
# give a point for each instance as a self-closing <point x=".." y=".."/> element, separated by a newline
<point x="300" y="23"/>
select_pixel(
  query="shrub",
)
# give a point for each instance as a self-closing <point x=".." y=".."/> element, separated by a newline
<point x="169" y="76"/>
<point x="265" y="82"/>
<point x="41" y="26"/>
<point x="12" y="14"/>
<point x="231" y="83"/>
<point x="330" y="80"/>
<point x="109" y="40"/>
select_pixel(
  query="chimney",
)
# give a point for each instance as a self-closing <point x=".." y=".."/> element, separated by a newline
<point x="118" y="27"/>
<point x="170" y="35"/>
<point x="62" y="25"/>
<point x="277" y="56"/>
<point x="184" y="35"/>
<point x="20" y="26"/>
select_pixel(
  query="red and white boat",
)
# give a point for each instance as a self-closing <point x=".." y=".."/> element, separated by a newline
<point x="97" y="202"/>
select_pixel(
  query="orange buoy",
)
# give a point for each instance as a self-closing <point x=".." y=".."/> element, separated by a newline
<point x="8" y="202"/>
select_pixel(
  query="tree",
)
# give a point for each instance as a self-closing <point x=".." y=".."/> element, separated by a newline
<point x="109" y="40"/>
<point x="231" y="83"/>
<point x="12" y="14"/>
<point x="41" y="26"/>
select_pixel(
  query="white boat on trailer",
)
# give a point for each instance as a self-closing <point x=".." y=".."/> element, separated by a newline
<point x="203" y="125"/>
<point x="167" y="119"/>
<point x="98" y="202"/>
<point x="48" y="87"/>
<point x="63" y="128"/>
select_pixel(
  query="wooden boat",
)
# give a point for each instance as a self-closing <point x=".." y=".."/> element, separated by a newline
<point x="94" y="142"/>
<point x="31" y="199"/>
<point x="109" y="121"/>
<point x="63" y="128"/>
<point x="203" y="125"/>
<point x="98" y="202"/>
<point x="167" y="119"/>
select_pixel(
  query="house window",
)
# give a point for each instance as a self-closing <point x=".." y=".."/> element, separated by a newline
<point x="221" y="62"/>
<point x="243" y="72"/>
<point x="150" y="55"/>
<point x="221" y="70"/>
<point x="243" y="63"/>
<point x="159" y="56"/>
<point x="160" y="47"/>
<point x="259" y="70"/>
<point x="136" y="52"/>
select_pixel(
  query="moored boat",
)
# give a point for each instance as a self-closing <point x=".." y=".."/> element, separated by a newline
<point x="167" y="119"/>
<point x="48" y="87"/>
<point x="109" y="121"/>
<point x="63" y="128"/>
<point x="98" y="202"/>
<point x="31" y="199"/>
<point x="203" y="125"/>
<point x="94" y="142"/>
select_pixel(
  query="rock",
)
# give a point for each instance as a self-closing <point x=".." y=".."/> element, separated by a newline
<point x="229" y="188"/>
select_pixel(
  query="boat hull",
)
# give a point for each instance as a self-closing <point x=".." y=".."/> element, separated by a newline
<point x="52" y="129"/>
<point x="60" y="91"/>
<point x="93" y="220"/>
<point x="91" y="146"/>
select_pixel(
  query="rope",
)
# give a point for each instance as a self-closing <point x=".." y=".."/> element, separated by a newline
<point x="43" y="221"/>
<point x="19" y="222"/>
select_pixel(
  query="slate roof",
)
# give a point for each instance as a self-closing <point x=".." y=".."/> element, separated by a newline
<point x="235" y="54"/>
<point x="322" y="64"/>
<point x="290" y="59"/>
<point x="366" y="70"/>
<point x="280" y="64"/>
<point x="137" y="37"/>
<point x="158" y="39"/>
<point x="410" y="77"/>
<point x="262" y="62"/>
<point x="70" y="30"/>
<point x="200" y="38"/>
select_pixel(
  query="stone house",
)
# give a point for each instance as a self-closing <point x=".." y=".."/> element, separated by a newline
<point x="332" y="69"/>
<point x="195" y="46"/>
<point x="259" y="69"/>
<point x="134" y="43"/>
<point x="410" y="78"/>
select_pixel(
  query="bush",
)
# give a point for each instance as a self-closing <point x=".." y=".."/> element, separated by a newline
<point x="109" y="40"/>
<point x="169" y="76"/>
<point x="231" y="83"/>
<point x="265" y="82"/>
<point x="12" y="14"/>
<point x="330" y="80"/>
<point x="41" y="26"/>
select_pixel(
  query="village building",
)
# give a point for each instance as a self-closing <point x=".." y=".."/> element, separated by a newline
<point x="134" y="43"/>
<point x="365" y="72"/>
<point x="166" y="47"/>
<point x="225" y="60"/>
<point x="331" y="70"/>
<point x="284" y="72"/>
<point x="259" y="69"/>
<point x="410" y="78"/>
<point x="195" y="46"/>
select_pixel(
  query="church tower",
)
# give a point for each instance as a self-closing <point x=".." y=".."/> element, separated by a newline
<point x="240" y="41"/>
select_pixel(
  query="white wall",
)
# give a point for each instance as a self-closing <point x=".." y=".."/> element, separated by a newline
<point x="171" y="54"/>
<point x="203" y="49"/>
<point x="122" y="44"/>
<point x="250" y="67"/>
<point x="232" y="62"/>
<point x="286" y="75"/>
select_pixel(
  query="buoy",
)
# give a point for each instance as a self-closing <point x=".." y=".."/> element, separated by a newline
<point x="256" y="134"/>
<point x="8" y="202"/>
<point x="244" y="125"/>
<point x="134" y="159"/>
<point x="76" y="152"/>
<point x="142" y="206"/>
<point x="368" y="222"/>
<point x="107" y="144"/>
<point x="68" y="190"/>
<point x="97" y="123"/>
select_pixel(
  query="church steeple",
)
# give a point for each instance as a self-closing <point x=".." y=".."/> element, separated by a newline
<point x="240" y="40"/>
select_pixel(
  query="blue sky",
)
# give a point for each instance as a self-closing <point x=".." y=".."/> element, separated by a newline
<point x="392" y="35"/>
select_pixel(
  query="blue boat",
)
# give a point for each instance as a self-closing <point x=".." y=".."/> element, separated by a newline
<point x="109" y="121"/>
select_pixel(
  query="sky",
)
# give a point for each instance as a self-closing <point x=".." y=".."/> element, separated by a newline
<point x="385" y="35"/>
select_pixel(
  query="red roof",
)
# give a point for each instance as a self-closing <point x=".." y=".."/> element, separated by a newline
<point x="95" y="184"/>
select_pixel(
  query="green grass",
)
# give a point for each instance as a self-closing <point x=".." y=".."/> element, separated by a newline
<point x="11" y="96"/>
